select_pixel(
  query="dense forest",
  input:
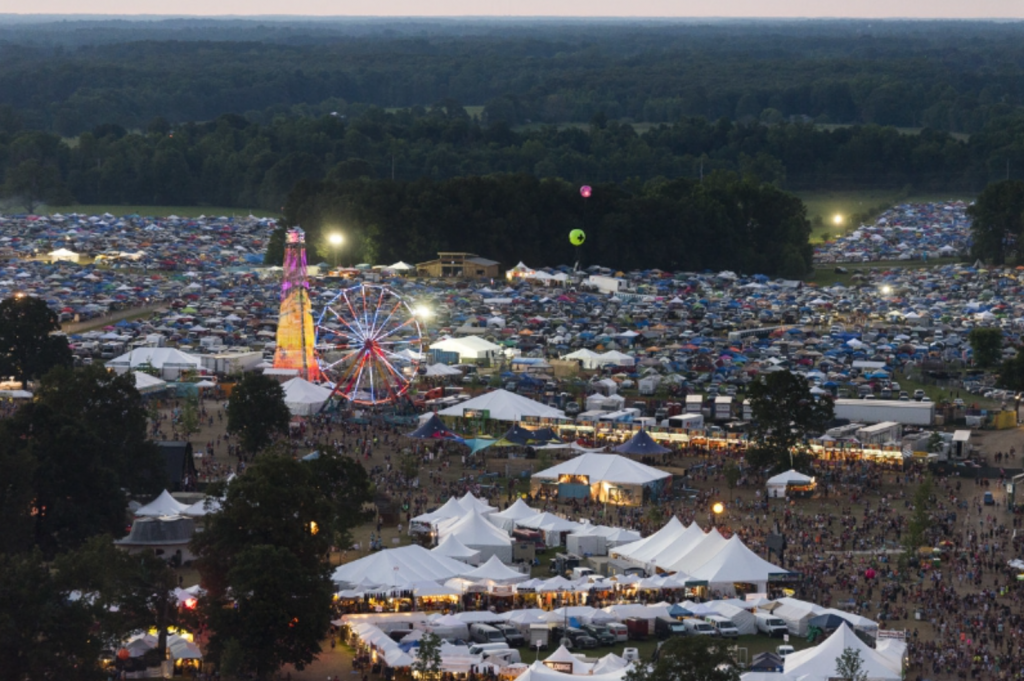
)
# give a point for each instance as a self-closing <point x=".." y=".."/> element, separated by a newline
<point x="722" y="222"/>
<point x="232" y="161"/>
<point x="71" y="76"/>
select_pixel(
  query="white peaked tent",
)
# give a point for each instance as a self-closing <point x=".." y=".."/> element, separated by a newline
<point x="590" y="359"/>
<point x="617" y="358"/>
<point x="472" y="503"/>
<point x="163" y="505"/>
<point x="702" y="552"/>
<point x="819" y="663"/>
<point x="398" y="567"/>
<point x="744" y="619"/>
<point x="733" y="563"/>
<point x="451" y="509"/>
<point x="145" y="383"/>
<point x="777" y="484"/>
<point x="551" y="525"/>
<point x="440" y="370"/>
<point x="304" y="398"/>
<point x="504" y="406"/>
<point x="644" y="551"/>
<point x="474" y="532"/>
<point x="451" y="547"/>
<point x="496" y="571"/>
<point x="562" y="660"/>
<point x="539" y="672"/>
<point x="682" y="545"/>
<point x="203" y="507"/>
<point x="506" y="519"/>
<point x="603" y="471"/>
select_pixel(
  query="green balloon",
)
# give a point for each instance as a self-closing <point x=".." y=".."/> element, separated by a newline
<point x="577" y="237"/>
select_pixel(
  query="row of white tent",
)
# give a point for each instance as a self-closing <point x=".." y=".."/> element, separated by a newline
<point x="595" y="360"/>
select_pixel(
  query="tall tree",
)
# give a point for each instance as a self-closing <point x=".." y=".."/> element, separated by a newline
<point x="28" y="348"/>
<point x="997" y="221"/>
<point x="85" y="434"/>
<point x="987" y="345"/>
<point x="44" y="634"/>
<point x="850" y="666"/>
<point x="689" y="658"/>
<point x="785" y="413"/>
<point x="257" y="412"/>
<point x="265" y="552"/>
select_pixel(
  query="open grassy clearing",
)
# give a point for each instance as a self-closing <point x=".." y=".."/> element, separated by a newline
<point x="826" y="274"/>
<point x="158" y="211"/>
<point x="823" y="206"/>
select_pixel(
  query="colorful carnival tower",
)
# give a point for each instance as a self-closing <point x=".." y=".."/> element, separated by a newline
<point x="295" y="336"/>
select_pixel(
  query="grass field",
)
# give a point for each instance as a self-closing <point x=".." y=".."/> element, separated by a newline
<point x="828" y="204"/>
<point x="157" y="211"/>
<point x="826" y="275"/>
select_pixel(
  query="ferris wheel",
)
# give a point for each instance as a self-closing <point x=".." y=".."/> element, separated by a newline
<point x="368" y="344"/>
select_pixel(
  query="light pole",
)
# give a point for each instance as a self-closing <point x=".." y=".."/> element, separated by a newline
<point x="335" y="240"/>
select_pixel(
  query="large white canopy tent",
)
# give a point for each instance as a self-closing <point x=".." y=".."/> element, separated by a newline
<point x="496" y="571"/>
<point x="819" y="663"/>
<point x="163" y="505"/>
<point x="506" y="519"/>
<point x="538" y="671"/>
<point x="468" y="347"/>
<point x="504" y="406"/>
<point x="146" y="384"/>
<point x="735" y="563"/>
<point x="474" y="532"/>
<point x="777" y="484"/>
<point x="451" y="547"/>
<point x="398" y="567"/>
<point x="701" y="552"/>
<point x="304" y="398"/>
<point x="610" y="477"/>
<point x="169" y="362"/>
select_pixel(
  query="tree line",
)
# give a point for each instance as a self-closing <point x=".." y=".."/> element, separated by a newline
<point x="233" y="161"/>
<point x="722" y="222"/>
<point x="72" y="76"/>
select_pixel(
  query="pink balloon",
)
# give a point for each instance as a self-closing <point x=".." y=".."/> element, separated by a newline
<point x="586" y="191"/>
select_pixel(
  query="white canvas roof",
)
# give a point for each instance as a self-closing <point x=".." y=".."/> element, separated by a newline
<point x="496" y="571"/>
<point x="451" y="547"/>
<point x="702" y="552"/>
<point x="605" y="468"/>
<point x="472" y="503"/>
<point x="517" y="511"/>
<point x="203" y="507"/>
<point x="645" y="550"/>
<point x="473" y="530"/>
<point x="505" y="406"/>
<point x="145" y="383"/>
<point x="395" y="567"/>
<point x="549" y="522"/>
<point x="304" y="398"/>
<point x="451" y="509"/>
<point x="563" y="655"/>
<point x="819" y="663"/>
<point x="468" y="346"/>
<point x="539" y="672"/>
<point x="790" y="477"/>
<point x="683" y="544"/>
<point x="163" y="505"/>
<point x="734" y="562"/>
<point x="442" y="370"/>
<point x="155" y="357"/>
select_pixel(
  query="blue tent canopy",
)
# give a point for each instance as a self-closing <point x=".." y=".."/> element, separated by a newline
<point x="641" y="444"/>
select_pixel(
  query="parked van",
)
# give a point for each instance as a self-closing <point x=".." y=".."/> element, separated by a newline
<point x="695" y="627"/>
<point x="618" y="630"/>
<point x="770" y="624"/>
<point x="666" y="626"/>
<point x="723" y="626"/>
<point x="508" y="656"/>
<point x="481" y="648"/>
<point x="485" y="633"/>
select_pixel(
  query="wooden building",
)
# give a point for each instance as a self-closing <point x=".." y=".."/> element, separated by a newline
<point x="459" y="266"/>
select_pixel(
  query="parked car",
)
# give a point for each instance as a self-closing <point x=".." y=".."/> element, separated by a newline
<point x="512" y="635"/>
<point x="602" y="635"/>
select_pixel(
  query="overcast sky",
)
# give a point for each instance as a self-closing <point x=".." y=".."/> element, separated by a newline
<point x="922" y="9"/>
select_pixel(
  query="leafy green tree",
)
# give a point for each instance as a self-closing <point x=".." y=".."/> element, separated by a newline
<point x="189" y="421"/>
<point x="127" y="592"/>
<point x="31" y="182"/>
<point x="1011" y="372"/>
<point x="265" y="551"/>
<point x="347" y="486"/>
<point x="997" y="220"/>
<point x="689" y="658"/>
<point x="85" y="434"/>
<point x="785" y="414"/>
<point x="428" y="658"/>
<point x="257" y="412"/>
<point x="27" y="347"/>
<point x="44" y="634"/>
<point x="282" y="609"/>
<point x="850" y="666"/>
<point x="987" y="345"/>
